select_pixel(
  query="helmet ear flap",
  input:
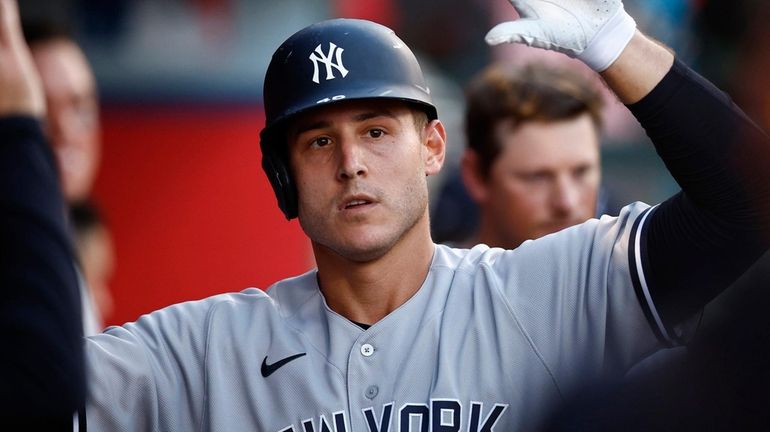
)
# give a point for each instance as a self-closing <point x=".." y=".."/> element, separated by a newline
<point x="278" y="174"/>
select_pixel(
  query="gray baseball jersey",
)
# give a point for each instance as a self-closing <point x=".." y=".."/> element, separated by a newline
<point x="492" y="339"/>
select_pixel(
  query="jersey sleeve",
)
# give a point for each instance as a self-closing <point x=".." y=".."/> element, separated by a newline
<point x="702" y="239"/>
<point x="573" y="294"/>
<point x="41" y="374"/>
<point x="149" y="374"/>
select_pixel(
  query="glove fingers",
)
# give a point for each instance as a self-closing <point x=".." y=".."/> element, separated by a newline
<point x="525" y="31"/>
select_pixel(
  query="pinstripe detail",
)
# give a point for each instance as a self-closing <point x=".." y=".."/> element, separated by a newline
<point x="642" y="286"/>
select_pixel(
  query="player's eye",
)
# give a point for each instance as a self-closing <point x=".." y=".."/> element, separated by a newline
<point x="321" y="141"/>
<point x="535" y="177"/>
<point x="581" y="171"/>
<point x="376" y="133"/>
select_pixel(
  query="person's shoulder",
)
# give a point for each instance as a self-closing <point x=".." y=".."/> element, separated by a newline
<point x="574" y="240"/>
<point x="283" y="291"/>
<point x="606" y="230"/>
<point x="197" y="313"/>
<point x="288" y="295"/>
<point x="629" y="212"/>
<point x="464" y="259"/>
<point x="247" y="296"/>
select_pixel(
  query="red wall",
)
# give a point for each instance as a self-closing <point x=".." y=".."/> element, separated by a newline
<point x="189" y="208"/>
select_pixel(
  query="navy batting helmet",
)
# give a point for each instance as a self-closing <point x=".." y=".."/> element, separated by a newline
<point x="327" y="62"/>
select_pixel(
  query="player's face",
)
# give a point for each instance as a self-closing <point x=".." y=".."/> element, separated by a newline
<point x="361" y="168"/>
<point x="73" y="120"/>
<point x="545" y="179"/>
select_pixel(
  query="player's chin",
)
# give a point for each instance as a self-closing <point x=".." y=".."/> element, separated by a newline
<point x="362" y="247"/>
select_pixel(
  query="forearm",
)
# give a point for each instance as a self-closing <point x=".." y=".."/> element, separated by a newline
<point x="638" y="69"/>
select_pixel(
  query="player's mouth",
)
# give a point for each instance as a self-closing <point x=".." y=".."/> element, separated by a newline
<point x="356" y="203"/>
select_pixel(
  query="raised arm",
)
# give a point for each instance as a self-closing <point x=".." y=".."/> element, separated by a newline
<point x="640" y="67"/>
<point x="696" y="243"/>
<point x="41" y="370"/>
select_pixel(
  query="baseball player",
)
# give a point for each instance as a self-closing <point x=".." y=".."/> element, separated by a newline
<point x="392" y="332"/>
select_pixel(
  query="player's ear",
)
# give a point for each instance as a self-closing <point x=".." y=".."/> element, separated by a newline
<point x="434" y="147"/>
<point x="473" y="179"/>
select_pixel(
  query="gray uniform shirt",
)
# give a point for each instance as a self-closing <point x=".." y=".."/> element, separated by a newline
<point x="491" y="341"/>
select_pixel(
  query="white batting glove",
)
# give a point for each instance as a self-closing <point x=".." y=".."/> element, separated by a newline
<point x="593" y="31"/>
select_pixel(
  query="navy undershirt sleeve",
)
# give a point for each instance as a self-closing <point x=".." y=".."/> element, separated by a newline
<point x="41" y="368"/>
<point x="696" y="243"/>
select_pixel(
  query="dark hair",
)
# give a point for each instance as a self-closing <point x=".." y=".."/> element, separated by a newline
<point x="535" y="92"/>
<point x="420" y="119"/>
<point x="85" y="216"/>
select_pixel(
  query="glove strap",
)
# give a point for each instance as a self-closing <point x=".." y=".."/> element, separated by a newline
<point x="609" y="41"/>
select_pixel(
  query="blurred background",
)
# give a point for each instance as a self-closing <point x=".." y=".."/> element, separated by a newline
<point x="180" y="185"/>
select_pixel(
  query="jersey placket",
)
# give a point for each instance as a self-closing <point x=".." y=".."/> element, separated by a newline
<point x="376" y="359"/>
<point x="364" y="382"/>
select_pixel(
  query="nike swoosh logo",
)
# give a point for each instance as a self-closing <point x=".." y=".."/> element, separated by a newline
<point x="268" y="369"/>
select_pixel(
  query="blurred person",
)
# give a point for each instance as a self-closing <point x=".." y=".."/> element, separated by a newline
<point x="73" y="130"/>
<point x="532" y="158"/>
<point x="42" y="380"/>
<point x="96" y="256"/>
<point x="72" y="122"/>
<point x="616" y="127"/>
<point x="393" y="331"/>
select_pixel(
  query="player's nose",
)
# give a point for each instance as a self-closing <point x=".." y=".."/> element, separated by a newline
<point x="351" y="159"/>
<point x="565" y="197"/>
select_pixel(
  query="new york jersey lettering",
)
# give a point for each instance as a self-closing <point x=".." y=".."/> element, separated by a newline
<point x="442" y="415"/>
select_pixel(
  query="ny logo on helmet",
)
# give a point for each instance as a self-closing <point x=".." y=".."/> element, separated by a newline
<point x="333" y="59"/>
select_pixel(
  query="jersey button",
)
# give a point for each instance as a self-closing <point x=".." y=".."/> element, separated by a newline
<point x="367" y="350"/>
<point x="371" y="392"/>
